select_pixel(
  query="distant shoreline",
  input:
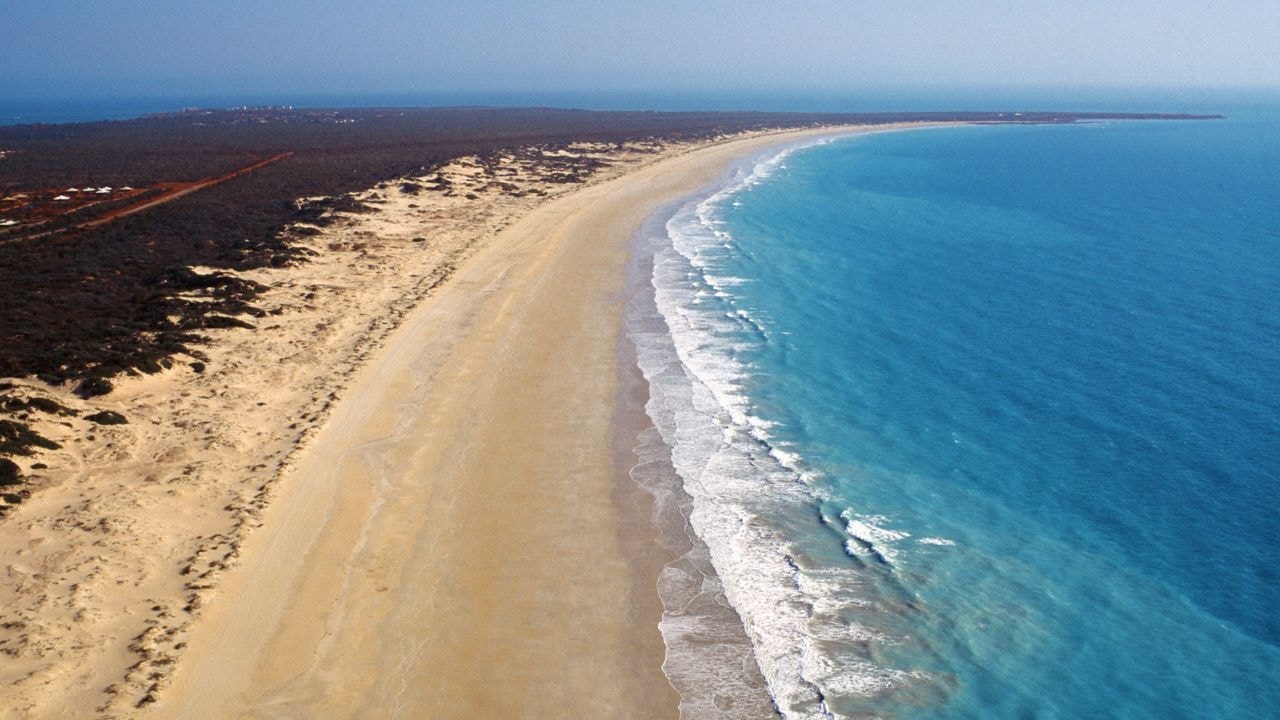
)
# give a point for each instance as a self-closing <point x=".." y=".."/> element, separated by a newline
<point x="18" y="112"/>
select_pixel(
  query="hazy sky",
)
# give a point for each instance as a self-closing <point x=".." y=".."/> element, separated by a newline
<point x="399" y="45"/>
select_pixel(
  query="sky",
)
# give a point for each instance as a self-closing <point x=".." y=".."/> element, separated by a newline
<point x="61" y="47"/>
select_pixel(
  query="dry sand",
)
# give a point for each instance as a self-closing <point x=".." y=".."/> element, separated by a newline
<point x="430" y="463"/>
<point x="127" y="531"/>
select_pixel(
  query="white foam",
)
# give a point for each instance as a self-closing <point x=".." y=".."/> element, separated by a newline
<point x="874" y="537"/>
<point x="745" y="486"/>
<point x="936" y="541"/>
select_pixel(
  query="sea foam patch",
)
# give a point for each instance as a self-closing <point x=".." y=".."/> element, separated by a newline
<point x="749" y="492"/>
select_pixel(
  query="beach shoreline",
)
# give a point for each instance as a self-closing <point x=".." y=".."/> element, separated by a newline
<point x="523" y="386"/>
<point x="511" y="338"/>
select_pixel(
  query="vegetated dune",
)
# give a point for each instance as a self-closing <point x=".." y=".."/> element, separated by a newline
<point x="140" y="497"/>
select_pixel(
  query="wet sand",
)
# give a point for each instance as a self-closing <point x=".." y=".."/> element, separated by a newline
<point x="458" y="539"/>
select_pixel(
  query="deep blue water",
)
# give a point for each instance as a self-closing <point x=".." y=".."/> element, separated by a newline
<point x="1030" y="377"/>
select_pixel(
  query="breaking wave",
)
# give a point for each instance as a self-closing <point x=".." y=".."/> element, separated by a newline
<point x="812" y="586"/>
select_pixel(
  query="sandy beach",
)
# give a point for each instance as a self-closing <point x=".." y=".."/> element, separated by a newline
<point x="456" y="543"/>
<point x="407" y="498"/>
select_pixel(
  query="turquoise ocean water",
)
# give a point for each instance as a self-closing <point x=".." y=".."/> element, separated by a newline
<point x="985" y="421"/>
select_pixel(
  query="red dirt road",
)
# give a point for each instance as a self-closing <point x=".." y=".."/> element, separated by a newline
<point x="177" y="191"/>
<point x="172" y="192"/>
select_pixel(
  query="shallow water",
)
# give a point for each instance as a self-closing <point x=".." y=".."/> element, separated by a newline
<point x="984" y="421"/>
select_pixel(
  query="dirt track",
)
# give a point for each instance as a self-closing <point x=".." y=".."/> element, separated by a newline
<point x="177" y="192"/>
<point x="173" y="192"/>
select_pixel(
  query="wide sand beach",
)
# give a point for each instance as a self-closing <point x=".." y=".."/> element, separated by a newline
<point x="458" y="540"/>
<point x="409" y="497"/>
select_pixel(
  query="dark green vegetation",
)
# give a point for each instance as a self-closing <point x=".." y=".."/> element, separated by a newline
<point x="91" y="304"/>
<point x="9" y="472"/>
<point x="18" y="439"/>
<point x="84" y="305"/>
<point x="107" y="417"/>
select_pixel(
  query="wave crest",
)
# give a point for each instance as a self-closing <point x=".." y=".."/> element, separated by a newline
<point x="752" y="498"/>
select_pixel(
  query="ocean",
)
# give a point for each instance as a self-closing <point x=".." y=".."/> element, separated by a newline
<point x="975" y="422"/>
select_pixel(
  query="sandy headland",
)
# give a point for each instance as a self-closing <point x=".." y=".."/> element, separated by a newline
<point x="403" y="494"/>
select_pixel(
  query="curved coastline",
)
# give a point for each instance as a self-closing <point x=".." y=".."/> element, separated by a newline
<point x="379" y="544"/>
<point x="451" y="541"/>
<point x="724" y="490"/>
<point x="745" y="607"/>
